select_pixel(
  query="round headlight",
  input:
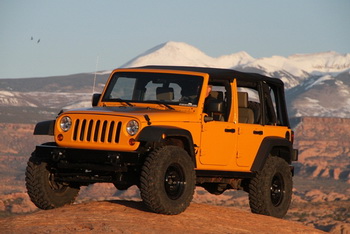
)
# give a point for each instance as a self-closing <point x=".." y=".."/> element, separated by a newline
<point x="65" y="123"/>
<point x="132" y="127"/>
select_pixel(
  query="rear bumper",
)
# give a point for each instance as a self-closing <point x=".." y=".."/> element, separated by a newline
<point x="294" y="155"/>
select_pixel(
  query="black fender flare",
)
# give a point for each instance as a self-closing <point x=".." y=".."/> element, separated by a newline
<point x="283" y="147"/>
<point x="45" y="128"/>
<point x="159" y="133"/>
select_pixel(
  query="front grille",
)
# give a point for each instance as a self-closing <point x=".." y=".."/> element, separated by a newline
<point x="96" y="130"/>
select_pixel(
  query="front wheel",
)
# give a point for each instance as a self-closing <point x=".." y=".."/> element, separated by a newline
<point x="167" y="180"/>
<point x="270" y="191"/>
<point x="42" y="188"/>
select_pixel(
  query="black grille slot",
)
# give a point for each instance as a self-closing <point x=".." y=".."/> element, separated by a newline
<point x="82" y="131"/>
<point x="110" y="133"/>
<point x="76" y="129"/>
<point x="103" y="134"/>
<point x="118" y="132"/>
<point x="88" y="138"/>
<point x="97" y="131"/>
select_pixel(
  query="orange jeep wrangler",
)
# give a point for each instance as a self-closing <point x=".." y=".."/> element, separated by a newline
<point x="168" y="129"/>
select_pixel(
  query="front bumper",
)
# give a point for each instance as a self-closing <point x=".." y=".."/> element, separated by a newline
<point x="50" y="153"/>
<point x="90" y="166"/>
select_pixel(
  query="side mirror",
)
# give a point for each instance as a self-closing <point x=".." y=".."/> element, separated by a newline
<point x="95" y="98"/>
<point x="208" y="119"/>
<point x="215" y="107"/>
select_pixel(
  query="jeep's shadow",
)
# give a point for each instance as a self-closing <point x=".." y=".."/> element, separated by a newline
<point x="137" y="205"/>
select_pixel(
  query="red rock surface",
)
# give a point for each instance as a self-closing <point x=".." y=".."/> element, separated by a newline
<point x="324" y="147"/>
<point x="321" y="195"/>
<point x="132" y="217"/>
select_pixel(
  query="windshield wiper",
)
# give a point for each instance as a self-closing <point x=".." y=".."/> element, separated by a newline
<point x="164" y="104"/>
<point x="121" y="100"/>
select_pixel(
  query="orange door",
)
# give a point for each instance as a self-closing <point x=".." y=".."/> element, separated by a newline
<point x="249" y="140"/>
<point x="218" y="143"/>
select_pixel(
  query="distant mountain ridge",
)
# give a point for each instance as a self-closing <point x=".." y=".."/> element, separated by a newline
<point x="300" y="66"/>
<point x="179" y="53"/>
<point x="82" y="82"/>
<point x="316" y="84"/>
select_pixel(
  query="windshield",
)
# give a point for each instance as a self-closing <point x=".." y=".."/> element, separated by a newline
<point x="174" y="89"/>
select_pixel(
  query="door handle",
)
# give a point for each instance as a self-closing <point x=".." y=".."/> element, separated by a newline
<point x="258" y="132"/>
<point x="232" y="130"/>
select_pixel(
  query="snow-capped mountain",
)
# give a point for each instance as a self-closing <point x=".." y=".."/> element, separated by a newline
<point x="179" y="53"/>
<point x="317" y="84"/>
<point x="296" y="68"/>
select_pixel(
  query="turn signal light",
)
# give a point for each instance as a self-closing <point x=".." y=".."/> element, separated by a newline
<point x="132" y="141"/>
<point x="60" y="137"/>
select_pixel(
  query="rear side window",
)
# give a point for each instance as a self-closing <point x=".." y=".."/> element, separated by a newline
<point x="260" y="103"/>
<point x="249" y="105"/>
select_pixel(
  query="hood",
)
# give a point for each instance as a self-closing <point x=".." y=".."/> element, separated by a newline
<point x="155" y="114"/>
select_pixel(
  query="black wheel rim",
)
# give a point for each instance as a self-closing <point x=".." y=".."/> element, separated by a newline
<point x="56" y="186"/>
<point x="277" y="189"/>
<point x="174" y="181"/>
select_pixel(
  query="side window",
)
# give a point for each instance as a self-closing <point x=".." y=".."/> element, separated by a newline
<point x="277" y="97"/>
<point x="249" y="106"/>
<point x="273" y="118"/>
<point x="216" y="102"/>
<point x="269" y="105"/>
<point x="258" y="104"/>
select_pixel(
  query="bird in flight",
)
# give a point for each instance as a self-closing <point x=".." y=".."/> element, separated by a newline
<point x="32" y="38"/>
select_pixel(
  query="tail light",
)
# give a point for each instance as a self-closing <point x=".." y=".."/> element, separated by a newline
<point x="292" y="137"/>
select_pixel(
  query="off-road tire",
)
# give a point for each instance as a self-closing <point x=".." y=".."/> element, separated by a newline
<point x="44" y="192"/>
<point x="270" y="191"/>
<point x="167" y="180"/>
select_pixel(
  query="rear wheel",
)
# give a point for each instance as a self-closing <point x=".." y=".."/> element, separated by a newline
<point x="168" y="180"/>
<point x="270" y="192"/>
<point x="42" y="188"/>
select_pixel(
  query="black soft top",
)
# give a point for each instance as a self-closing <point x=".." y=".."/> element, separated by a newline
<point x="220" y="73"/>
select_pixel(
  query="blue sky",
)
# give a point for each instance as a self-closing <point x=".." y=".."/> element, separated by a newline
<point x="74" y="33"/>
